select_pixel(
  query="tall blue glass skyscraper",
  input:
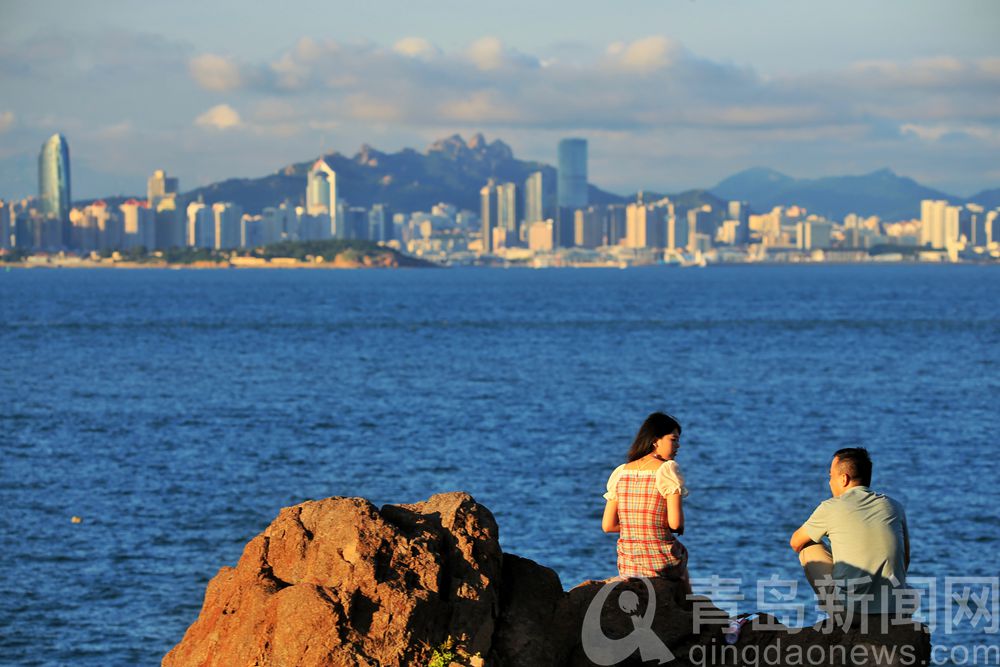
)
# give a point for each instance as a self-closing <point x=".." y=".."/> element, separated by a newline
<point x="53" y="178"/>
<point x="571" y="190"/>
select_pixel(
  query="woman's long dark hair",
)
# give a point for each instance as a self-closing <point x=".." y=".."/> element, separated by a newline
<point x="655" y="427"/>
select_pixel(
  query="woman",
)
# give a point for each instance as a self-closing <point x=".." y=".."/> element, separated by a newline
<point x="645" y="504"/>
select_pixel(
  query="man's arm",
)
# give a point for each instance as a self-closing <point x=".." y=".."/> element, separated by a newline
<point x="800" y="540"/>
<point x="812" y="531"/>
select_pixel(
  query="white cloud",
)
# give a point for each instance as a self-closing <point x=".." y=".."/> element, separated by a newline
<point x="416" y="47"/>
<point x="990" y="67"/>
<point x="219" y="117"/>
<point x="489" y="53"/>
<point x="308" y="49"/>
<point x="674" y="106"/>
<point x="486" y="53"/>
<point x="290" y="73"/>
<point x="644" y="55"/>
<point x="215" y="73"/>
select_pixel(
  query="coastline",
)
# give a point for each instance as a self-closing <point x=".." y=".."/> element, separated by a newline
<point x="420" y="264"/>
<point x="285" y="263"/>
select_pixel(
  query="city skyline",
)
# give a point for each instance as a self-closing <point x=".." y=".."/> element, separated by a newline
<point x="683" y="100"/>
<point x="518" y="221"/>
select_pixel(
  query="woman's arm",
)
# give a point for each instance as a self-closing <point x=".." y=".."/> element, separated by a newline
<point x="675" y="513"/>
<point x="610" y="521"/>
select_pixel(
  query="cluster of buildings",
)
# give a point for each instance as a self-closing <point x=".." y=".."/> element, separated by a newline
<point x="165" y="220"/>
<point x="553" y="224"/>
<point x="547" y="219"/>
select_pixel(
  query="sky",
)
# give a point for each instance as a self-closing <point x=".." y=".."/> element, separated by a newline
<point x="671" y="94"/>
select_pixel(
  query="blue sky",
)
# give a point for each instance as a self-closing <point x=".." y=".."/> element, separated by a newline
<point x="671" y="94"/>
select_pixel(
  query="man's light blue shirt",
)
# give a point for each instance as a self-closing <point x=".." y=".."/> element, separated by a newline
<point x="867" y="533"/>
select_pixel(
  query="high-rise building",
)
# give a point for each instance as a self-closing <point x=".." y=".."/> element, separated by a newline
<point x="571" y="188"/>
<point x="160" y="186"/>
<point x="509" y="211"/>
<point x="678" y="232"/>
<point x="489" y="197"/>
<point x="588" y="227"/>
<point x="700" y="221"/>
<point x="813" y="234"/>
<point x="355" y="220"/>
<point x="138" y="225"/>
<point x="6" y="233"/>
<point x="645" y="226"/>
<point x="972" y="225"/>
<point x="739" y="211"/>
<point x="321" y="196"/>
<point x="226" y="217"/>
<point x="95" y="227"/>
<point x="539" y="197"/>
<point x="932" y="222"/>
<point x="107" y="225"/>
<point x="614" y="224"/>
<point x="380" y="227"/>
<point x="540" y="236"/>
<point x="952" y="223"/>
<point x="200" y="227"/>
<point x="992" y="225"/>
<point x="54" y="185"/>
<point x="170" y="229"/>
<point x="163" y="198"/>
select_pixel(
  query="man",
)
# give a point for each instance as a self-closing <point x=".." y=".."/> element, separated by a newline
<point x="868" y="537"/>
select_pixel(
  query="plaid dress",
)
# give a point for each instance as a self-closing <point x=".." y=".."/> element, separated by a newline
<point x="646" y="545"/>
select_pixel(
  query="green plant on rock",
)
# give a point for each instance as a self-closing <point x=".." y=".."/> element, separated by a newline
<point x="451" y="652"/>
<point x="443" y="655"/>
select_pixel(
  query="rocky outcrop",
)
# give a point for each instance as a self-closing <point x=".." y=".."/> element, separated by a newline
<point x="341" y="582"/>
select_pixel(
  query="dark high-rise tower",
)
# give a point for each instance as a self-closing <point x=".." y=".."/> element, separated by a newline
<point x="572" y="188"/>
<point x="53" y="182"/>
<point x="571" y="191"/>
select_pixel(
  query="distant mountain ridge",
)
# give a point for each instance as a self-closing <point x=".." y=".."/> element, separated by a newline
<point x="883" y="193"/>
<point x="450" y="170"/>
<point x="453" y="170"/>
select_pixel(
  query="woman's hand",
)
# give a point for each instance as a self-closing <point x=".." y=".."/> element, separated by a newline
<point x="610" y="522"/>
<point x="675" y="513"/>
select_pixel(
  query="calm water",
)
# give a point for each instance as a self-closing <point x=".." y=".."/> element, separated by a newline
<point x="178" y="411"/>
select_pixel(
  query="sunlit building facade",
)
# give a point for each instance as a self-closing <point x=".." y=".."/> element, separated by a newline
<point x="321" y="197"/>
<point x="489" y="203"/>
<point x="54" y="183"/>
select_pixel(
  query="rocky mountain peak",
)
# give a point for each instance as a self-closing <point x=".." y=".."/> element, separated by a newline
<point x="368" y="155"/>
<point x="477" y="148"/>
<point x="498" y="150"/>
<point x="453" y="146"/>
<point x="478" y="141"/>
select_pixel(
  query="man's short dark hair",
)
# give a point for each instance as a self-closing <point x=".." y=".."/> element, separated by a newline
<point x="856" y="463"/>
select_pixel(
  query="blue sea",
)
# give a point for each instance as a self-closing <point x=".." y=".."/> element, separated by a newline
<point x="176" y="412"/>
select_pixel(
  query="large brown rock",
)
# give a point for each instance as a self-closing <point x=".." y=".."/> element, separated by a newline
<point x="341" y="582"/>
<point x="530" y="595"/>
<point x="672" y="619"/>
